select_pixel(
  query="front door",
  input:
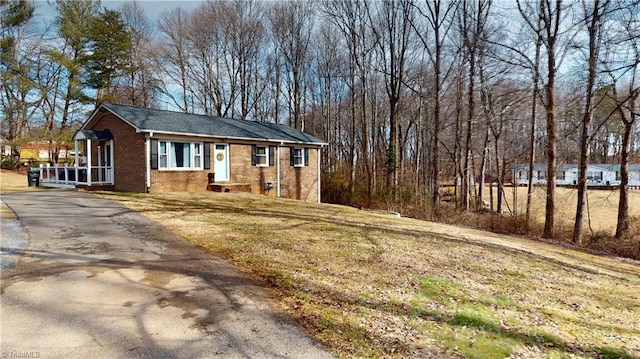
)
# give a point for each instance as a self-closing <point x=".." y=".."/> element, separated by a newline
<point x="221" y="155"/>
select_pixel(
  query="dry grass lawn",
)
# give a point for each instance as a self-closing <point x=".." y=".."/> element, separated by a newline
<point x="370" y="285"/>
<point x="602" y="206"/>
<point x="11" y="181"/>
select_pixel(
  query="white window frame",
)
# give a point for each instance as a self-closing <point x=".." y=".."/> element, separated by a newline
<point x="194" y="155"/>
<point x="596" y="176"/>
<point x="163" y="156"/>
<point x="298" y="157"/>
<point x="260" y="156"/>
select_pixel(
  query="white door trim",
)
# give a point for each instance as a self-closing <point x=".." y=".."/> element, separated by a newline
<point x="224" y="161"/>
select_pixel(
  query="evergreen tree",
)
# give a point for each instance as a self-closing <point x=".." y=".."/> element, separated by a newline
<point x="110" y="46"/>
<point x="73" y="26"/>
<point x="15" y="72"/>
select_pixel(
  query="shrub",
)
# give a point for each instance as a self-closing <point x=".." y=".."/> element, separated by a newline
<point x="8" y="164"/>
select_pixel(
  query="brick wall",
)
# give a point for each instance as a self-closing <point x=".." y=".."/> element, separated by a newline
<point x="299" y="182"/>
<point x="130" y="168"/>
<point x="243" y="172"/>
<point x="128" y="152"/>
<point x="177" y="181"/>
<point x="295" y="182"/>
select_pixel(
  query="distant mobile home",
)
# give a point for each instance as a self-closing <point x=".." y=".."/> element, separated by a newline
<point x="598" y="175"/>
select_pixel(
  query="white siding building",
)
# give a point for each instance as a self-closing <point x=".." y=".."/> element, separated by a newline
<point x="567" y="175"/>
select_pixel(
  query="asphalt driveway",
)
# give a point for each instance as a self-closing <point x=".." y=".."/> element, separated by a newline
<point x="96" y="280"/>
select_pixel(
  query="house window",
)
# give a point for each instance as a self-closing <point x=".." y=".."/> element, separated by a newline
<point x="560" y="175"/>
<point x="298" y="157"/>
<point x="262" y="156"/>
<point x="162" y="154"/>
<point x="618" y="177"/>
<point x="197" y="157"/>
<point x="594" y="176"/>
<point x="542" y="175"/>
<point x="179" y="155"/>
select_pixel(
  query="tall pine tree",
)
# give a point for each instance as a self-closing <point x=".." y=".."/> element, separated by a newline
<point x="16" y="83"/>
<point x="110" y="46"/>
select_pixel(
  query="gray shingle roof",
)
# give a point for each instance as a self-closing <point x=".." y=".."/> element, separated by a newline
<point x="170" y="122"/>
<point x="93" y="135"/>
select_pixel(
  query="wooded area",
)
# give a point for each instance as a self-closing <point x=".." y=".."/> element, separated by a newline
<point x="411" y="95"/>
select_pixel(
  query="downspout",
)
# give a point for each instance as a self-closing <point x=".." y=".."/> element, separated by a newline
<point x="319" y="187"/>
<point x="147" y="147"/>
<point x="77" y="160"/>
<point x="112" y="170"/>
<point x="278" y="170"/>
<point x="89" y="150"/>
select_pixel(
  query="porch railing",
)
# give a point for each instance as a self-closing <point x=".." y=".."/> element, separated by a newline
<point x="70" y="176"/>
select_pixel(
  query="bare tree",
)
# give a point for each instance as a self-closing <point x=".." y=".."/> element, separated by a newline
<point x="622" y="53"/>
<point x="173" y="58"/>
<point x="472" y="28"/>
<point x="291" y="26"/>
<point x="593" y="18"/>
<point x="439" y="16"/>
<point x="550" y="16"/>
<point x="141" y="87"/>
<point x="351" y="19"/>
<point x="530" y="12"/>
<point x="392" y="30"/>
<point x="245" y="36"/>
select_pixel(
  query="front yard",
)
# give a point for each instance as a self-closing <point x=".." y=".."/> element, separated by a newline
<point x="370" y="285"/>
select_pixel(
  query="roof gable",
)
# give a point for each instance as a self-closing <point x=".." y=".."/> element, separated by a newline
<point x="92" y="135"/>
<point x="178" y="123"/>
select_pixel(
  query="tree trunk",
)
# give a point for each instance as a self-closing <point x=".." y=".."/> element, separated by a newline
<point x="593" y="27"/>
<point x="623" y="204"/>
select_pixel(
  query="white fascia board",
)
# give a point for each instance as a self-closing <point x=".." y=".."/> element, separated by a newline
<point x="154" y="133"/>
<point x="90" y="118"/>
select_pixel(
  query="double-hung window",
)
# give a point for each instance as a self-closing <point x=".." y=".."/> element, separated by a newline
<point x="298" y="157"/>
<point x="262" y="156"/>
<point x="179" y="155"/>
<point x="163" y="155"/>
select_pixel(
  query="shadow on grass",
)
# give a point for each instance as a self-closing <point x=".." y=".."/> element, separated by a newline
<point x="300" y="211"/>
<point x="498" y="340"/>
<point x="541" y="340"/>
<point x="324" y="298"/>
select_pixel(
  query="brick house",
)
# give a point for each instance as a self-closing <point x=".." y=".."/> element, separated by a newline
<point x="144" y="150"/>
